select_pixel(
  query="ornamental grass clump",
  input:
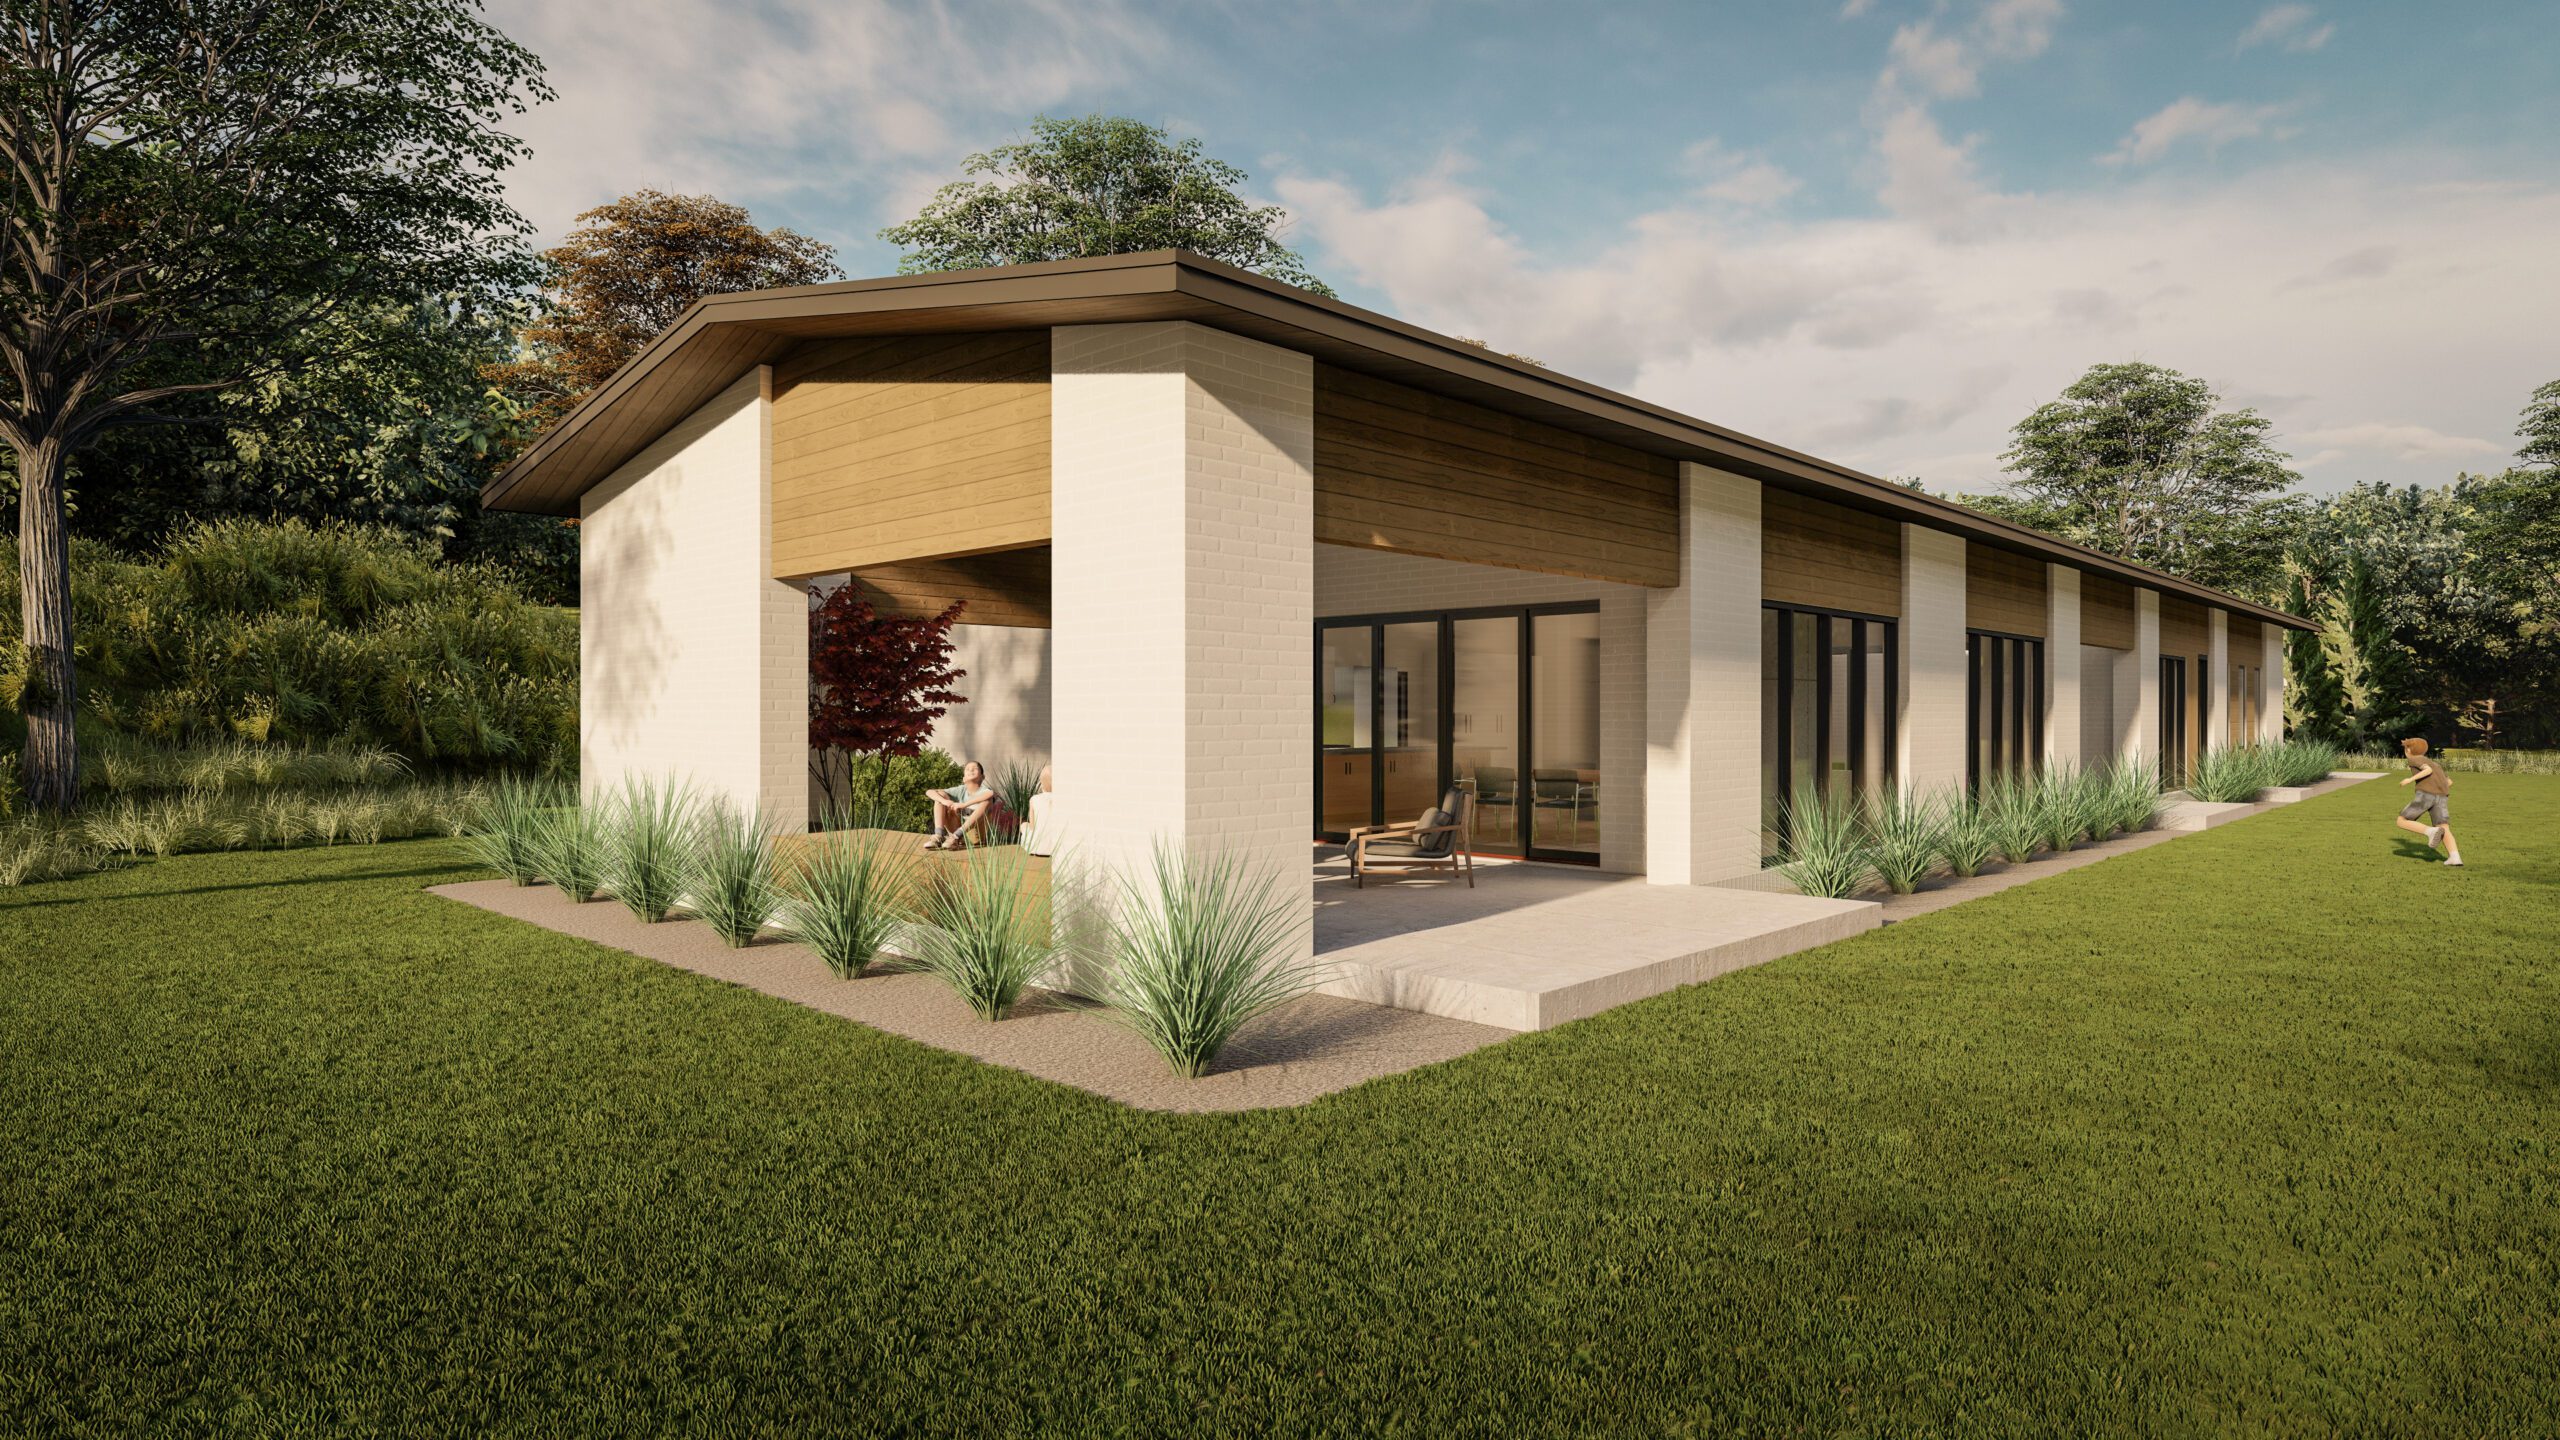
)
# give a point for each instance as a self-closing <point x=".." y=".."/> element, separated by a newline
<point x="1201" y="947"/>
<point x="505" y="835"/>
<point x="569" y="849"/>
<point x="649" y="830"/>
<point x="1826" y="852"/>
<point x="847" y="894"/>
<point x="729" y="876"/>
<point x="2302" y="762"/>
<point x="2133" y="796"/>
<point x="38" y="850"/>
<point x="2013" y="816"/>
<point x="1906" y="834"/>
<point x="984" y="930"/>
<point x="2229" y="775"/>
<point x="1968" y="843"/>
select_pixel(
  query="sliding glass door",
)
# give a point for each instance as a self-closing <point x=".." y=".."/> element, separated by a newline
<point x="1504" y="704"/>
<point x="1828" y="709"/>
<point x="2004" y="707"/>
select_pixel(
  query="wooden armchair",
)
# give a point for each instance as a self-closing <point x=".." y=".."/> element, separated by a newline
<point x="1439" y="839"/>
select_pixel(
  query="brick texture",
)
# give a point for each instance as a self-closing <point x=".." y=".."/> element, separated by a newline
<point x="2064" y="689"/>
<point x="1703" y="689"/>
<point x="1932" y="730"/>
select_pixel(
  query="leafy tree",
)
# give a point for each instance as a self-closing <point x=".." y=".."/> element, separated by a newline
<point x="876" y="682"/>
<point x="2372" y="669"/>
<point x="2541" y="428"/>
<point x="628" y="271"/>
<point x="197" y="193"/>
<point x="2137" y="461"/>
<point x="1096" y="185"/>
<point x="2314" y="703"/>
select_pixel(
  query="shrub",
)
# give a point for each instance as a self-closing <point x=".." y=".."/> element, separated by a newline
<point x="1826" y="850"/>
<point x="506" y="835"/>
<point x="2133" y="795"/>
<point x="1908" y="832"/>
<point x="1200" y="948"/>
<point x="36" y="851"/>
<point x="648" y="840"/>
<point x="846" y="895"/>
<point x="887" y="791"/>
<point x="729" y="879"/>
<point x="270" y="636"/>
<point x="983" y="931"/>
<point x="2301" y="762"/>
<point x="1968" y="843"/>
<point x="569" y="849"/>
<point x="2229" y="774"/>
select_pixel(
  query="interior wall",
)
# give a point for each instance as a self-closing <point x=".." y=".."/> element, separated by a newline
<point x="1369" y="582"/>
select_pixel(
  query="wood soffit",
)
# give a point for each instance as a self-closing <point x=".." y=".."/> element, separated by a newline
<point x="724" y="336"/>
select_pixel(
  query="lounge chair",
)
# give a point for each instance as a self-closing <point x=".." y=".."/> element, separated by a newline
<point x="1439" y="839"/>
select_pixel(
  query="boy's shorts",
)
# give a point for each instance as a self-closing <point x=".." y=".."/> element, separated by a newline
<point x="2434" y="809"/>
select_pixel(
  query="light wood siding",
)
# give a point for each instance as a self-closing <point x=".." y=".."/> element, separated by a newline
<point x="907" y="447"/>
<point x="1813" y="552"/>
<point x="2183" y="632"/>
<point x="2106" y="612"/>
<point x="2003" y="592"/>
<point x="1008" y="588"/>
<point x="1404" y="470"/>
<point x="2243" y="642"/>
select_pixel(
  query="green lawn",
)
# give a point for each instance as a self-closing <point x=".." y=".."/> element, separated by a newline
<point x="2257" y="1132"/>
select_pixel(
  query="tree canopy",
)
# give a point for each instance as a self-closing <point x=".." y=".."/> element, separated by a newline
<point x="1096" y="185"/>
<point x="2138" y="460"/>
<point x="629" y="270"/>
<point x="202" y="196"/>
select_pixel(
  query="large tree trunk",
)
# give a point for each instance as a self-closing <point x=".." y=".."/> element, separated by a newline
<point x="52" y="690"/>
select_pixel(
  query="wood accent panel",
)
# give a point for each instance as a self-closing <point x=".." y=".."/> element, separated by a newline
<point x="2106" y="612"/>
<point x="897" y="448"/>
<point x="2244" y="643"/>
<point x="1010" y="587"/>
<point x="1401" y="469"/>
<point x="2183" y="632"/>
<point x="1813" y="552"/>
<point x="2003" y="591"/>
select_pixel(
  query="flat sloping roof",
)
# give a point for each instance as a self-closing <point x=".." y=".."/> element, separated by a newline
<point x="723" y="337"/>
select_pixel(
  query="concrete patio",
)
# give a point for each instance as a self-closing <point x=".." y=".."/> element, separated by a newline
<point x="1533" y="946"/>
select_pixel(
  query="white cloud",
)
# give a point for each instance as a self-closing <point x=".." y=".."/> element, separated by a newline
<point x="2190" y="121"/>
<point x="1901" y="346"/>
<point x="1940" y="66"/>
<point x="2290" y="26"/>
<point x="761" y="102"/>
<point x="2019" y="29"/>
<point x="1852" y="9"/>
<point x="1741" y="180"/>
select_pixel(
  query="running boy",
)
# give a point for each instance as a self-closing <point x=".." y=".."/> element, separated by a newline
<point x="2433" y="804"/>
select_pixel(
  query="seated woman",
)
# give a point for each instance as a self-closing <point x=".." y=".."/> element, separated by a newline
<point x="1040" y="831"/>
<point x="960" y="809"/>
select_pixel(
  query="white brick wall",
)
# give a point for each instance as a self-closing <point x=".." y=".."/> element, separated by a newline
<point x="2138" y="682"/>
<point x="2100" y="740"/>
<point x="2064" y="690"/>
<point x="1374" y="582"/>
<point x="2271" y="648"/>
<point x="694" y="660"/>
<point x="1703" y="690"/>
<point x="1182" y="592"/>
<point x="2217" y="720"/>
<point x="1932" y="729"/>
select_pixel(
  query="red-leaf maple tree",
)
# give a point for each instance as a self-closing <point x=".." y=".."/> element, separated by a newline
<point x="878" y="682"/>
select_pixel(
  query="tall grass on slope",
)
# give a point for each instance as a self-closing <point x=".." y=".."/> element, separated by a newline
<point x="846" y="893"/>
<point x="649" y="831"/>
<point x="1826" y="851"/>
<point x="1906" y="833"/>
<point x="1201" y="947"/>
<point x="729" y="874"/>
<point x="984" y="931"/>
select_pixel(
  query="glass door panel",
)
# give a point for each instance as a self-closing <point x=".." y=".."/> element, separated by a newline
<point x="1484" y="727"/>
<point x="1347" y="745"/>
<point x="1564" y="730"/>
<point x="1409" y="718"/>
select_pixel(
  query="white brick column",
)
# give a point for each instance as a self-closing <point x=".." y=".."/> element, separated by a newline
<point x="1931" y="734"/>
<point x="695" y="660"/>
<point x="1703" y="690"/>
<point x="2217" y="720"/>
<point x="2271" y="648"/>
<point x="2062" y="693"/>
<point x="2142" y="695"/>
<point x="1182" y="593"/>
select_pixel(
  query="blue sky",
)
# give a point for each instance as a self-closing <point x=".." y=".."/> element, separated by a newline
<point x="1879" y="231"/>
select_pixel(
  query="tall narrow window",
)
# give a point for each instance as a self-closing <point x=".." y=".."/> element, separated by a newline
<point x="1828" y="699"/>
<point x="2004" y="716"/>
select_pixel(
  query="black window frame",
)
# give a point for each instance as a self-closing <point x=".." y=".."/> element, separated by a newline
<point x="2017" y="702"/>
<point x="1861" y="625"/>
